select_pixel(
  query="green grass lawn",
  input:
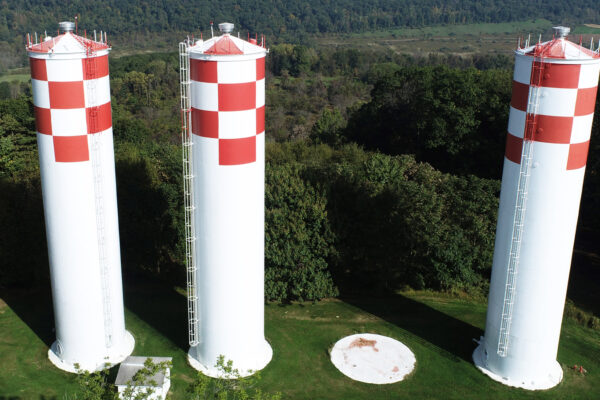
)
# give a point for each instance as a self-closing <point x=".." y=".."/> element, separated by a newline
<point x="437" y="327"/>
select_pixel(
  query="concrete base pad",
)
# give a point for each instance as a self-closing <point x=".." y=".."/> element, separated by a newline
<point x="371" y="358"/>
<point x="259" y="364"/>
<point x="553" y="378"/>
<point x="114" y="357"/>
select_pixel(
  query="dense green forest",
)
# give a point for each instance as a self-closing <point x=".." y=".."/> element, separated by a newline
<point x="279" y="17"/>
<point x="382" y="172"/>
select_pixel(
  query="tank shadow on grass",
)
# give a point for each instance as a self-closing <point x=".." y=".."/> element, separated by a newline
<point x="148" y="235"/>
<point x="584" y="279"/>
<point x="446" y="335"/>
<point x="34" y="308"/>
<point x="24" y="272"/>
<point x="450" y="337"/>
<point x="158" y="304"/>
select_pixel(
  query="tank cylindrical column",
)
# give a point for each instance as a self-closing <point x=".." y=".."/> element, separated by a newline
<point x="554" y="90"/>
<point x="228" y="109"/>
<point x="71" y="97"/>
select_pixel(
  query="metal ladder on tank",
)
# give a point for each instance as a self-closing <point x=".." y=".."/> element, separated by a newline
<point x="520" y="207"/>
<point x="96" y="158"/>
<point x="188" y="193"/>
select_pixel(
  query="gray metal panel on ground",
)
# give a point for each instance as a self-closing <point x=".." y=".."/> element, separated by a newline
<point x="133" y="364"/>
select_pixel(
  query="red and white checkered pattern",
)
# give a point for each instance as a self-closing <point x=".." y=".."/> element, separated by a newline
<point x="567" y="97"/>
<point x="228" y="105"/>
<point x="227" y="93"/>
<point x="71" y="99"/>
<point x="537" y="215"/>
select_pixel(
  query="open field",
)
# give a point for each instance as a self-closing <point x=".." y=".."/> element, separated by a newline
<point x="15" y="77"/>
<point x="438" y="328"/>
<point x="482" y="38"/>
<point x="468" y="39"/>
<point x="514" y="28"/>
<point x="138" y="43"/>
<point x="453" y="39"/>
<point x="591" y="29"/>
<point x="450" y="39"/>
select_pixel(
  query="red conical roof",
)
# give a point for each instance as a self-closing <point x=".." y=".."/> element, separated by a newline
<point x="560" y="49"/>
<point x="67" y="43"/>
<point x="224" y="45"/>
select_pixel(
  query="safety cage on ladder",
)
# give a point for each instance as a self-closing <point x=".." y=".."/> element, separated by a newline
<point x="188" y="192"/>
<point x="96" y="158"/>
<point x="537" y="71"/>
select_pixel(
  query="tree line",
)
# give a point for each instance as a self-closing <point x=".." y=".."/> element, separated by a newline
<point x="283" y="19"/>
<point x="149" y="24"/>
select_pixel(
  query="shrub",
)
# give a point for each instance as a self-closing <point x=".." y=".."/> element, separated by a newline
<point x="298" y="238"/>
<point x="401" y="222"/>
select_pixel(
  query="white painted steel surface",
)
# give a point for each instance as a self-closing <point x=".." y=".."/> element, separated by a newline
<point x="552" y="206"/>
<point x="227" y="102"/>
<point x="86" y="287"/>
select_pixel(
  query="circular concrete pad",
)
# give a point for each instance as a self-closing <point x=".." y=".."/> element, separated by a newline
<point x="370" y="358"/>
<point x="116" y="356"/>
<point x="543" y="381"/>
<point x="258" y="363"/>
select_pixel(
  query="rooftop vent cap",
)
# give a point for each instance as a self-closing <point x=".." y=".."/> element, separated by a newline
<point x="226" y="27"/>
<point x="561" y="31"/>
<point x="66" y="26"/>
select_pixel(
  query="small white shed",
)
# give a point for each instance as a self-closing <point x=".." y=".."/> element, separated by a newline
<point x="158" y="384"/>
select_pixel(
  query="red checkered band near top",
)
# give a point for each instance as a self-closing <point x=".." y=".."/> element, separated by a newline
<point x="567" y="98"/>
<point x="228" y="105"/>
<point x="71" y="100"/>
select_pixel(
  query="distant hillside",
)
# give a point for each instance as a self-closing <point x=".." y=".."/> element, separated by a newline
<point x="281" y="18"/>
<point x="156" y="25"/>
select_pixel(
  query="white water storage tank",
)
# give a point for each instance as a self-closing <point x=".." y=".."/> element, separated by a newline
<point x="227" y="93"/>
<point x="71" y="98"/>
<point x="552" y="107"/>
